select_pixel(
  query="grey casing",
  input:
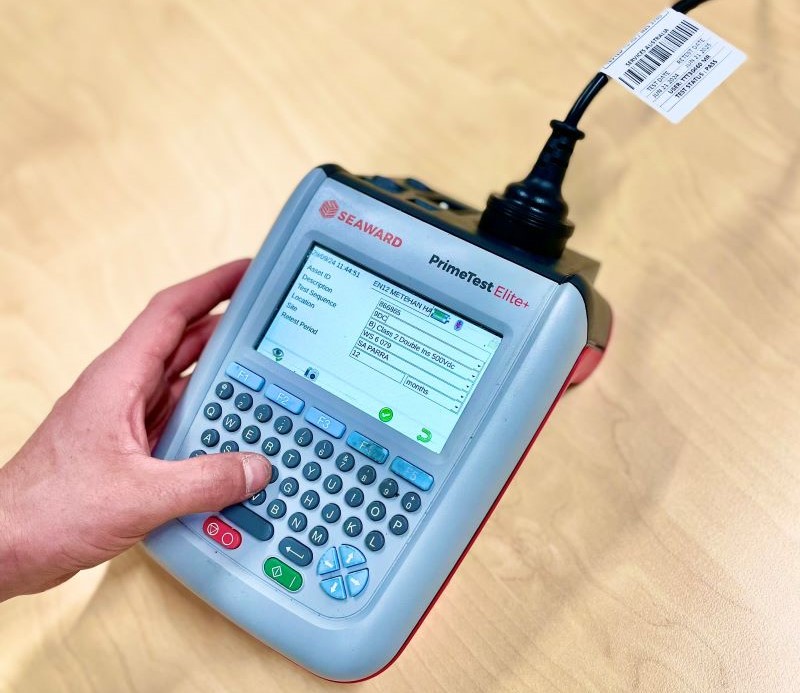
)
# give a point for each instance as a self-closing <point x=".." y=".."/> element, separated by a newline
<point x="348" y="641"/>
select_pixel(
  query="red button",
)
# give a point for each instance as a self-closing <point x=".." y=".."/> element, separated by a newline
<point x="222" y="533"/>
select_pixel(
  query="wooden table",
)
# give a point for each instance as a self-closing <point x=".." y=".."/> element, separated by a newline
<point x="652" y="540"/>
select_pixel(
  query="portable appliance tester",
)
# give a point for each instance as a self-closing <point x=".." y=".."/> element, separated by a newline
<point x="394" y="353"/>
<point x="394" y="366"/>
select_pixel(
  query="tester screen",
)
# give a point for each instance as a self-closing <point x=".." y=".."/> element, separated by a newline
<point x="387" y="351"/>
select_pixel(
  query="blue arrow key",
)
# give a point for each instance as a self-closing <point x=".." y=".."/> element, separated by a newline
<point x="351" y="556"/>
<point x="329" y="562"/>
<point x="357" y="581"/>
<point x="334" y="587"/>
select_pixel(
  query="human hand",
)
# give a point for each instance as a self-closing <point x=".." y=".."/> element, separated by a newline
<point x="84" y="487"/>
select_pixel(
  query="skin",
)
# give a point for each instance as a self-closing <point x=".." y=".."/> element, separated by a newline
<point x="84" y="487"/>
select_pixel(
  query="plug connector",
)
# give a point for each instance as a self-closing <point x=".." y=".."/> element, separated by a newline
<point x="532" y="214"/>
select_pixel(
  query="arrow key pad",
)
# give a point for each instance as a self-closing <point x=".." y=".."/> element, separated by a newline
<point x="345" y="559"/>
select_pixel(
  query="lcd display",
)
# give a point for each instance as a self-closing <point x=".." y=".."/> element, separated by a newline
<point x="396" y="356"/>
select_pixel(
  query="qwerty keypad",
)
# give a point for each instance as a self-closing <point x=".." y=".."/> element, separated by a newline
<point x="229" y="446"/>
<point x="289" y="487"/>
<point x="243" y="401"/>
<point x="331" y="513"/>
<point x="213" y="411"/>
<point x="305" y="511"/>
<point x="263" y="413"/>
<point x="291" y="458"/>
<point x="283" y="424"/>
<point x="312" y="471"/>
<point x="232" y="422"/>
<point x="303" y="437"/>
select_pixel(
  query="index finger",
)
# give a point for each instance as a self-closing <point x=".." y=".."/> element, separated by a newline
<point x="158" y="329"/>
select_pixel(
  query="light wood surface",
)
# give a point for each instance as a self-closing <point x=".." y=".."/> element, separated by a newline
<point x="652" y="540"/>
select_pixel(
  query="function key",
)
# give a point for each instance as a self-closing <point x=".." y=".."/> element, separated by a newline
<point x="398" y="525"/>
<point x="222" y="533"/>
<point x="251" y="434"/>
<point x="197" y="453"/>
<point x="411" y="502"/>
<point x="297" y="522"/>
<point x="412" y="474"/>
<point x="368" y="448"/>
<point x="245" y="376"/>
<point x="324" y="449"/>
<point x="331" y="513"/>
<point x="229" y="446"/>
<point x="357" y="581"/>
<point x="367" y="475"/>
<point x="318" y="535"/>
<point x="243" y="401"/>
<point x="224" y="390"/>
<point x="210" y="438"/>
<point x="291" y="458"/>
<point x="345" y="462"/>
<point x="276" y="509"/>
<point x="374" y="541"/>
<point x="332" y="483"/>
<point x="263" y="413"/>
<point x="376" y="511"/>
<point x="352" y="526"/>
<point x="212" y="411"/>
<point x="283" y="424"/>
<point x="285" y="399"/>
<point x="258" y="498"/>
<point x="354" y="497"/>
<point x="303" y="437"/>
<point x="309" y="500"/>
<point x="289" y="486"/>
<point x="312" y="471"/>
<point x="250" y="522"/>
<point x="231" y="422"/>
<point x="296" y="552"/>
<point x="388" y="488"/>
<point x="271" y="446"/>
<point x="326" y="423"/>
<point x="284" y="575"/>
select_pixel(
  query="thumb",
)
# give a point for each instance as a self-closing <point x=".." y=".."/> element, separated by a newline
<point x="211" y="482"/>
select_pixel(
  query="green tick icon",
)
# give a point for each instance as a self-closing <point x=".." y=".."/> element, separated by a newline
<point x="385" y="415"/>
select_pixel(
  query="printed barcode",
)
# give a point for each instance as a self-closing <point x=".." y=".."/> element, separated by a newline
<point x="658" y="54"/>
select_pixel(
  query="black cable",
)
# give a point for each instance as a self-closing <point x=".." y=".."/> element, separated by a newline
<point x="600" y="79"/>
<point x="532" y="213"/>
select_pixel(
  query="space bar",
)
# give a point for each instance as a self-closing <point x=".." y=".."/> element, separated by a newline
<point x="251" y="523"/>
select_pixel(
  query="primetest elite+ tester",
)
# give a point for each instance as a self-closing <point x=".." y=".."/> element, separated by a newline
<point x="394" y="353"/>
<point x="394" y="367"/>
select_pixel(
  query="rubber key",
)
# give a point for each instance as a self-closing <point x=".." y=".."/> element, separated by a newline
<point x="250" y="522"/>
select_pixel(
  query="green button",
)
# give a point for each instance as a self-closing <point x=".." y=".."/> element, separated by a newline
<point x="287" y="577"/>
<point x="385" y="414"/>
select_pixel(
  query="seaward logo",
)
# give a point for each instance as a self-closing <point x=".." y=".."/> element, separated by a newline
<point x="328" y="209"/>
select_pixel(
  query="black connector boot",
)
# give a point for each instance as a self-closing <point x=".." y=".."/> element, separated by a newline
<point x="532" y="213"/>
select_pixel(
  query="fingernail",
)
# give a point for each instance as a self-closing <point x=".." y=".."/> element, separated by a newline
<point x="256" y="472"/>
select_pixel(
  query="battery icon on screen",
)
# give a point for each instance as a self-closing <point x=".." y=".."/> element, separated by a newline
<point x="440" y="315"/>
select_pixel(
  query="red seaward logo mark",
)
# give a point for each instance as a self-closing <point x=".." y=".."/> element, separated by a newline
<point x="328" y="209"/>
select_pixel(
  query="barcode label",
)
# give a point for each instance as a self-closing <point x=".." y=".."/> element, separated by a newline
<point x="658" y="54"/>
<point x="673" y="63"/>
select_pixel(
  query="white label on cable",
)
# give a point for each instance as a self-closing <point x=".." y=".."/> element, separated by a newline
<point x="673" y="64"/>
